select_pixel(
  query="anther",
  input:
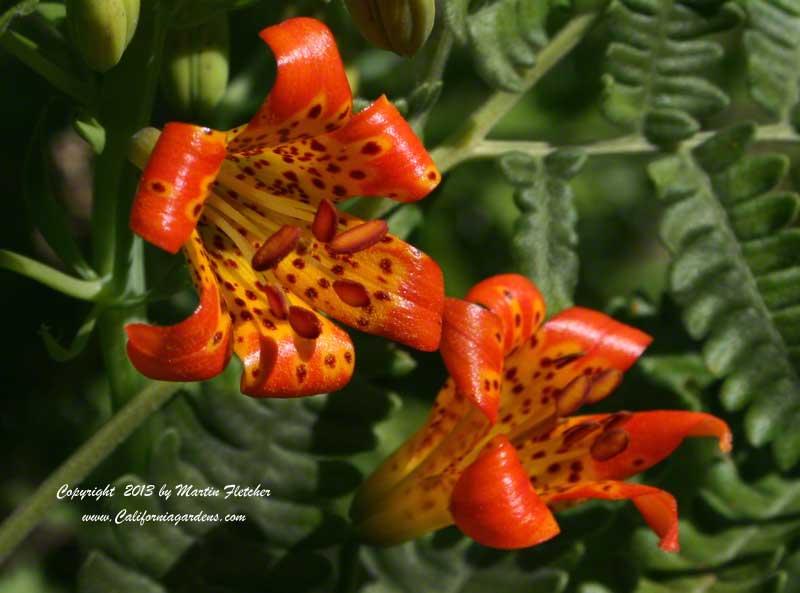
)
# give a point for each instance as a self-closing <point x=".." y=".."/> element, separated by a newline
<point x="278" y="303"/>
<point x="603" y="384"/>
<point x="276" y="247"/>
<point x="304" y="322"/>
<point x="575" y="434"/>
<point x="359" y="238"/>
<point x="324" y="226"/>
<point x="572" y="396"/>
<point x="610" y="444"/>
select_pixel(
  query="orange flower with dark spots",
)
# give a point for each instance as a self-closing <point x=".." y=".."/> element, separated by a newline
<point x="503" y="447"/>
<point x="254" y="210"/>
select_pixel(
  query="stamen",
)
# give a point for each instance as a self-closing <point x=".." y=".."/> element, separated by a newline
<point x="617" y="420"/>
<point x="276" y="247"/>
<point x="351" y="292"/>
<point x="577" y="433"/>
<point x="572" y="396"/>
<point x="359" y="238"/>
<point x="563" y="361"/>
<point x="603" y="384"/>
<point x="304" y="322"/>
<point x="610" y="444"/>
<point x="278" y="303"/>
<point x="324" y="225"/>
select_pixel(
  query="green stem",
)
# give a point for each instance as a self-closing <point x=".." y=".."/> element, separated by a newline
<point x="29" y="53"/>
<point x="433" y="61"/>
<point x="457" y="148"/>
<point x="86" y="290"/>
<point x="631" y="144"/>
<point x="127" y="98"/>
<point x="81" y="463"/>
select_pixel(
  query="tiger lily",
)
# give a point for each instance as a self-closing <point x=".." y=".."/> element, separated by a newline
<point x="254" y="210"/>
<point x="502" y="446"/>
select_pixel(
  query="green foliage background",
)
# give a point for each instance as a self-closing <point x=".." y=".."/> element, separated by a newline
<point x="635" y="156"/>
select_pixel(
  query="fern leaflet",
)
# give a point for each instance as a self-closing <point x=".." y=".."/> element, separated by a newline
<point x="655" y="64"/>
<point x="773" y="51"/>
<point x="735" y="271"/>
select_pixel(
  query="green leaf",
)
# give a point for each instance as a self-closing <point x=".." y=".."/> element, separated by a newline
<point x="683" y="374"/>
<point x="46" y="212"/>
<point x="735" y="560"/>
<point x="734" y="272"/>
<point x="449" y="563"/>
<point x="732" y="497"/>
<point x="23" y="8"/>
<point x="503" y="37"/>
<point x="772" y="41"/>
<point x="544" y="239"/>
<point x="214" y="436"/>
<point x="189" y="13"/>
<point x="656" y="65"/>
<point x="79" y="342"/>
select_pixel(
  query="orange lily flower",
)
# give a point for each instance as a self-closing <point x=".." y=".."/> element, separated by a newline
<point x="254" y="211"/>
<point x="502" y="446"/>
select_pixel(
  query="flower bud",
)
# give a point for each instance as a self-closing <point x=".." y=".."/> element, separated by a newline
<point x="401" y="26"/>
<point x="195" y="73"/>
<point x="102" y="29"/>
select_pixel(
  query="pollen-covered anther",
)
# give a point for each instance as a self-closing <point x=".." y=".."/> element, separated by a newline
<point x="276" y="247"/>
<point x="610" y="444"/>
<point x="278" y="303"/>
<point x="304" y="322"/>
<point x="360" y="237"/>
<point x="351" y="292"/>
<point x="572" y="396"/>
<point x="324" y="225"/>
<point x="577" y="433"/>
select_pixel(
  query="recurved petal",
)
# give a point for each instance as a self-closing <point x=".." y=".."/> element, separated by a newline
<point x="473" y="353"/>
<point x="655" y="435"/>
<point x="383" y="155"/>
<point x="658" y="508"/>
<point x="600" y="336"/>
<point x="494" y="503"/>
<point x="195" y="349"/>
<point x="311" y="94"/>
<point x="282" y="363"/>
<point x="517" y="302"/>
<point x="175" y="184"/>
<point x="390" y="288"/>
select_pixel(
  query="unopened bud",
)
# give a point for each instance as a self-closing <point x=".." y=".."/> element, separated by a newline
<point x="195" y="72"/>
<point x="401" y="26"/>
<point x="102" y="29"/>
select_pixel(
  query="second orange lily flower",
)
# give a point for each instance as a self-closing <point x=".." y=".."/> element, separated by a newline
<point x="503" y="446"/>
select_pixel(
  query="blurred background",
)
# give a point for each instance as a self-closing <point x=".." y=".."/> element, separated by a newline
<point x="299" y="541"/>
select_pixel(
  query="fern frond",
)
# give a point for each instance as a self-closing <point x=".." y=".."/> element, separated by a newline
<point x="213" y="437"/>
<point x="773" y="52"/>
<point x="503" y="37"/>
<point x="545" y="239"/>
<point x="655" y="81"/>
<point x="735" y="271"/>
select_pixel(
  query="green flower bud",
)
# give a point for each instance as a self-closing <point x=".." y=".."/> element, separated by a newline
<point x="102" y="29"/>
<point x="401" y="26"/>
<point x="195" y="73"/>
